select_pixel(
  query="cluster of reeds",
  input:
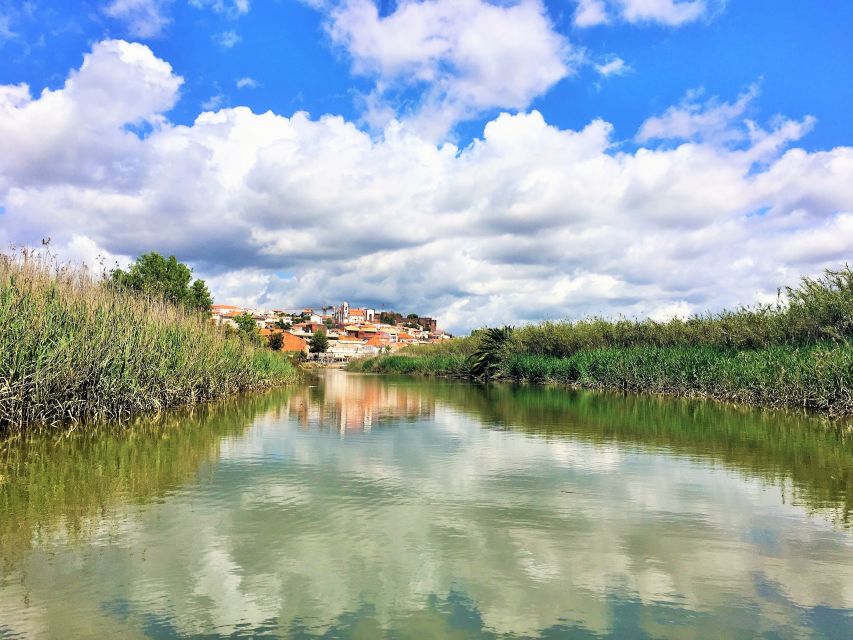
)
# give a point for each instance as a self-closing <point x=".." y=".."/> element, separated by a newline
<point x="796" y="351"/>
<point x="73" y="348"/>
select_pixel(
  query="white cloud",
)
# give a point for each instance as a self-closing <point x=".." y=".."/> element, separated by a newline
<point x="673" y="13"/>
<point x="227" y="39"/>
<point x="669" y="12"/>
<point x="247" y="83"/>
<point x="449" y="50"/>
<point x="213" y="103"/>
<point x="6" y="32"/>
<point x="144" y="18"/>
<point x="712" y="120"/>
<point x="232" y="8"/>
<point x="148" y="18"/>
<point x="528" y="221"/>
<point x="590" y="13"/>
<point x="613" y="67"/>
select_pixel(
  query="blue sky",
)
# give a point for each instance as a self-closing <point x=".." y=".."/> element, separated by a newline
<point x="745" y="96"/>
<point x="801" y="53"/>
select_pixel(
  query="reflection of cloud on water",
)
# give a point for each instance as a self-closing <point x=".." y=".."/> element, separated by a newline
<point x="301" y="525"/>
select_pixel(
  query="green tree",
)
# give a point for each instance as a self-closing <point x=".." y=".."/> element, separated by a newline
<point x="387" y="317"/>
<point x="328" y="322"/>
<point x="283" y="324"/>
<point x="246" y="323"/>
<point x="200" y="297"/>
<point x="319" y="342"/>
<point x="275" y="341"/>
<point x="155" y="275"/>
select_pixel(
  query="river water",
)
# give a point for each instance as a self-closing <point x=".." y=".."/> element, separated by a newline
<point x="369" y="507"/>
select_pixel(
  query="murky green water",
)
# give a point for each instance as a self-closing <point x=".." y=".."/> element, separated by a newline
<point x="363" y="507"/>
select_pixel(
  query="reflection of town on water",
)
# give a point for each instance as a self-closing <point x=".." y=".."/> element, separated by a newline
<point x="369" y="507"/>
<point x="354" y="404"/>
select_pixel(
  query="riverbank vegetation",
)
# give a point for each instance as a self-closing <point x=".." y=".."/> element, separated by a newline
<point x="77" y="347"/>
<point x="795" y="352"/>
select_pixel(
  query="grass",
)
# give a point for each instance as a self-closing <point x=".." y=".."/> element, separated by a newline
<point x="72" y="348"/>
<point x="795" y="352"/>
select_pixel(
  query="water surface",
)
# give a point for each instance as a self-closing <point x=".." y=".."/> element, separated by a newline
<point x="367" y="507"/>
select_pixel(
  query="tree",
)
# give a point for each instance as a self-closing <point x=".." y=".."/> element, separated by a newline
<point x="328" y="322"/>
<point x="388" y="317"/>
<point x="275" y="341"/>
<point x="200" y="297"/>
<point x="283" y="324"/>
<point x="246" y="323"/>
<point x="319" y="342"/>
<point x="154" y="275"/>
<point x="412" y="316"/>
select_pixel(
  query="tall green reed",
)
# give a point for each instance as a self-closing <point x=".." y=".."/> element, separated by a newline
<point x="74" y="349"/>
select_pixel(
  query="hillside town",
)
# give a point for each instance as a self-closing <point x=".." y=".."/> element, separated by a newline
<point x="350" y="332"/>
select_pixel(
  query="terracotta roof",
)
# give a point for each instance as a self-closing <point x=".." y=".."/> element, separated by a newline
<point x="224" y="306"/>
<point x="293" y="343"/>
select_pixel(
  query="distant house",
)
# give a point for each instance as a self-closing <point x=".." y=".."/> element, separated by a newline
<point x="290" y="342"/>
<point x="307" y="329"/>
<point x="346" y="347"/>
<point x="293" y="343"/>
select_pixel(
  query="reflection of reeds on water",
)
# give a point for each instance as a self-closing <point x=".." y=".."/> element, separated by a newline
<point x="815" y="455"/>
<point x="62" y="481"/>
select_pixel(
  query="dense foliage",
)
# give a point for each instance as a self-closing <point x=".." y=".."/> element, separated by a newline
<point x="74" y="348"/>
<point x="156" y="276"/>
<point x="319" y="342"/>
<point x="795" y="352"/>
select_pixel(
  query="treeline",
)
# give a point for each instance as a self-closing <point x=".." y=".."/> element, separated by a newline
<point x="77" y="347"/>
<point x="796" y="351"/>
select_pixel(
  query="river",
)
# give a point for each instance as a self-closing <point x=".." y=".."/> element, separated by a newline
<point x="370" y="507"/>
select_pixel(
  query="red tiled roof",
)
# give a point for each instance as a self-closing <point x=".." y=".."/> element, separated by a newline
<point x="293" y="343"/>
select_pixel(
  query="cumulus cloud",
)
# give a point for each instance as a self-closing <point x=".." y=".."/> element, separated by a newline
<point x="528" y="221"/>
<point x="448" y="50"/>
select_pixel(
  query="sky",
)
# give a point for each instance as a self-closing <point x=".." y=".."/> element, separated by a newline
<point x="481" y="162"/>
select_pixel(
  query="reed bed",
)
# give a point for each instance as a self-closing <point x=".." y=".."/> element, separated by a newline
<point x="795" y="352"/>
<point x="74" y="348"/>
